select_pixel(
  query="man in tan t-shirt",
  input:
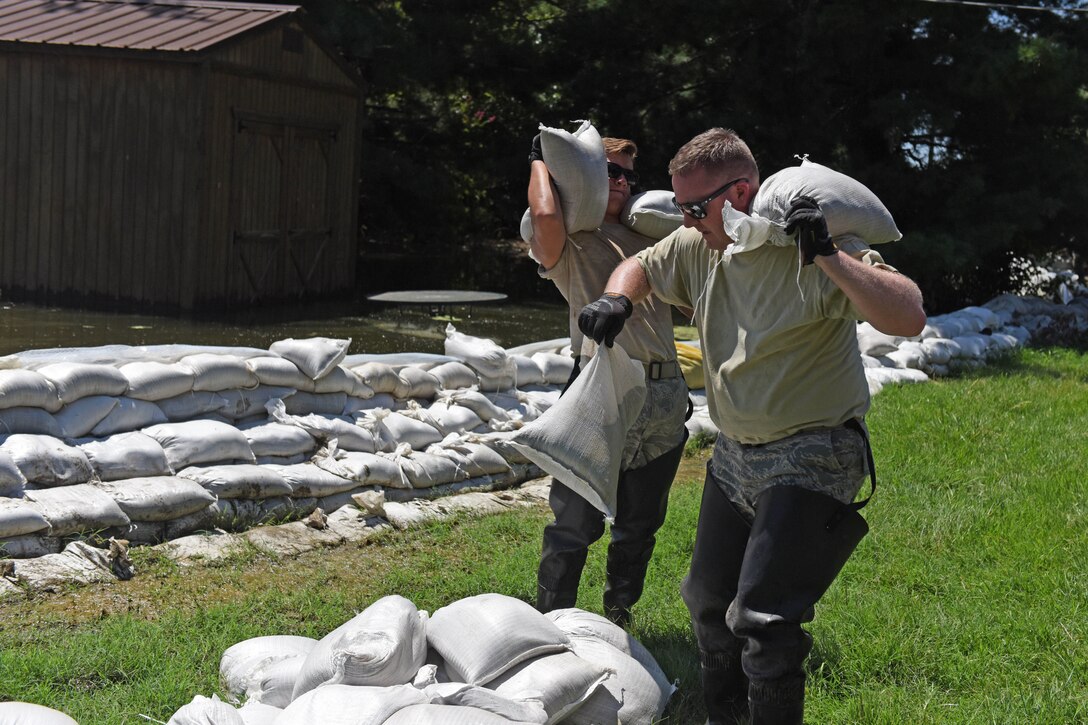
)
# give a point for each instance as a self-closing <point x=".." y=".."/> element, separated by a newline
<point x="579" y="265"/>
<point x="787" y="391"/>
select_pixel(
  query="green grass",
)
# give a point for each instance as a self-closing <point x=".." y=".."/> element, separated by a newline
<point x="967" y="602"/>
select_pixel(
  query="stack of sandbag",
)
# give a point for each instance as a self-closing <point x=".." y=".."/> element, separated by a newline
<point x="483" y="659"/>
<point x="150" y="444"/>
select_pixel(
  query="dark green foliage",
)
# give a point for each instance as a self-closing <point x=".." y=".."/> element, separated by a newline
<point x="970" y="123"/>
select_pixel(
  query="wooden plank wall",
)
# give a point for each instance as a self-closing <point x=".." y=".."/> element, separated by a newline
<point x="102" y="160"/>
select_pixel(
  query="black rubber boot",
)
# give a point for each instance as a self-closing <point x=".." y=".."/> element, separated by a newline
<point x="641" y="505"/>
<point x="710" y="586"/>
<point x="800" y="541"/>
<point x="565" y="547"/>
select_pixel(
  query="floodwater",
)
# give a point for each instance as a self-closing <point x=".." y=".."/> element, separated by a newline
<point x="373" y="328"/>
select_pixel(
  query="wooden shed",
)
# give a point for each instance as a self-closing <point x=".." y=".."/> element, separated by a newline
<point x="179" y="154"/>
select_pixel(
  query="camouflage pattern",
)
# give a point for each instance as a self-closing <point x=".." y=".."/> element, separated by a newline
<point x="660" y="424"/>
<point x="832" y="461"/>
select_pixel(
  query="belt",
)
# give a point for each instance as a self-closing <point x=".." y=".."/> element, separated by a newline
<point x="663" y="370"/>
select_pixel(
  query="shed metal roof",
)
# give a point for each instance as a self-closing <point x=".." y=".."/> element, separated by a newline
<point x="165" y="25"/>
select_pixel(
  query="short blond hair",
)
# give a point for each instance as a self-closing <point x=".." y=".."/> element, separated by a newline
<point x="713" y="150"/>
<point x="620" y="147"/>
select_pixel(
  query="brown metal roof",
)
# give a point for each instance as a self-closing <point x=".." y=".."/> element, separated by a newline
<point x="177" y="25"/>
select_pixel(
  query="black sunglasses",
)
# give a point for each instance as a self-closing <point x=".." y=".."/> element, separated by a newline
<point x="615" y="171"/>
<point x="697" y="209"/>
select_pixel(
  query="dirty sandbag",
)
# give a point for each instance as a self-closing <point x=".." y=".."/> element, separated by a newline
<point x="580" y="440"/>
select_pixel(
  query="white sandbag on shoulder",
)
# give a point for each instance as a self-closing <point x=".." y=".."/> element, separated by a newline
<point x="253" y="402"/>
<point x="438" y="714"/>
<point x="29" y="546"/>
<point x="129" y="414"/>
<point x="12" y="480"/>
<point x="18" y="518"/>
<point x="280" y="373"/>
<point x="125" y="455"/>
<point x="74" y="380"/>
<point x="28" y="388"/>
<point x="241" y="480"/>
<point x="21" y="419"/>
<point x="577" y="164"/>
<point x="219" y="372"/>
<point x="580" y="439"/>
<point x="243" y="661"/>
<point x="25" y="713"/>
<point x="77" y="508"/>
<point x="277" y="439"/>
<point x="314" y="356"/>
<point x="307" y="479"/>
<point x="206" y="711"/>
<point x="580" y="623"/>
<point x="561" y="682"/>
<point x="191" y="404"/>
<point x="418" y="383"/>
<point x="556" y="368"/>
<point x="258" y="713"/>
<point x="152" y="380"/>
<point x="849" y="207"/>
<point x="47" y="461"/>
<point x="157" y="498"/>
<point x="652" y="214"/>
<point x="630" y="695"/>
<point x="201" y="441"/>
<point x="383" y="645"/>
<point x="341" y="380"/>
<point x="454" y="375"/>
<point x="349" y="705"/>
<point x="483" y="636"/>
<point x="80" y="417"/>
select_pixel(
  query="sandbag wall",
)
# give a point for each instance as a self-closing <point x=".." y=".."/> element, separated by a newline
<point x="152" y="443"/>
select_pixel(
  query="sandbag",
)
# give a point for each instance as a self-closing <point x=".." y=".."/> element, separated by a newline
<point x="483" y="636"/>
<point x="277" y="439"/>
<point x="28" y="388"/>
<point x="18" y="518"/>
<point x="12" y="480"/>
<point x="307" y="479"/>
<point x="349" y="705"/>
<point x="21" y="419"/>
<point x="241" y="404"/>
<point x="452" y="418"/>
<point x="652" y="214"/>
<point x="631" y="695"/>
<point x="242" y="480"/>
<point x="580" y="440"/>
<point x="47" y="461"/>
<point x="129" y="414"/>
<point x="399" y="428"/>
<point x="475" y="401"/>
<point x="79" y="418"/>
<point x="379" y="377"/>
<point x="191" y="404"/>
<point x="242" y="662"/>
<point x="417" y="383"/>
<point x="438" y="714"/>
<point x="475" y="459"/>
<point x="77" y="508"/>
<point x="362" y="468"/>
<point x="561" y="682"/>
<point x="206" y="711"/>
<point x="30" y="546"/>
<point x="454" y="375"/>
<point x="556" y="368"/>
<point x="74" y="380"/>
<point x="152" y="380"/>
<point x="279" y="372"/>
<point x="314" y="356"/>
<point x="25" y="713"/>
<point x="125" y="455"/>
<point x="580" y="623"/>
<point x="458" y="694"/>
<point x="526" y="371"/>
<point x="342" y="380"/>
<point x="275" y="683"/>
<point x="383" y="645"/>
<point x="484" y="356"/>
<point x="219" y="372"/>
<point x="314" y="403"/>
<point x="258" y="713"/>
<point x="157" y="498"/>
<point x="201" y="441"/>
<point x="577" y="164"/>
<point x="426" y="470"/>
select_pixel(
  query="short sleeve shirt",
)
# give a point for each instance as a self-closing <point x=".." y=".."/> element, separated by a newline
<point x="779" y="341"/>
<point x="581" y="274"/>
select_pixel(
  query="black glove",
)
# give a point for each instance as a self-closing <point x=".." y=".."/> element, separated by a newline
<point x="602" y="320"/>
<point x="808" y="221"/>
<point x="535" y="154"/>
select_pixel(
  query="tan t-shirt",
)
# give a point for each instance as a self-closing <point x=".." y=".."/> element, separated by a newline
<point x="581" y="273"/>
<point x="774" y="363"/>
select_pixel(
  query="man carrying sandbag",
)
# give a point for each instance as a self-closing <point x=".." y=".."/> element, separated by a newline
<point x="787" y="391"/>
<point x="579" y="265"/>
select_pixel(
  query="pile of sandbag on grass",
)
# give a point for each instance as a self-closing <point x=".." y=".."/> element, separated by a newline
<point x="484" y="659"/>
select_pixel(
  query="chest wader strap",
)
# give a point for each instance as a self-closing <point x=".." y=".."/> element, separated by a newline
<point x="856" y="506"/>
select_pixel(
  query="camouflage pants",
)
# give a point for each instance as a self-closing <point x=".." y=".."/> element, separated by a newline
<point x="832" y="461"/>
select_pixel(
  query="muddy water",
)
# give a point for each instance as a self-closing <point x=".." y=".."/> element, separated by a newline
<point x="372" y="328"/>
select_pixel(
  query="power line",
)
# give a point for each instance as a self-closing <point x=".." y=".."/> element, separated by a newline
<point x="1007" y="6"/>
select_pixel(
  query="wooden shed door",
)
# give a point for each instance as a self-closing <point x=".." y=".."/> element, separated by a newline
<point x="281" y="204"/>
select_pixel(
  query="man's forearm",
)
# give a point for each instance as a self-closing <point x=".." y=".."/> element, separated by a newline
<point x="891" y="302"/>
<point x="629" y="280"/>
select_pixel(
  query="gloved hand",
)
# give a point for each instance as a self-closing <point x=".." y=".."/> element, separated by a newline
<point x="602" y="320"/>
<point x="535" y="154"/>
<point x="805" y="217"/>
